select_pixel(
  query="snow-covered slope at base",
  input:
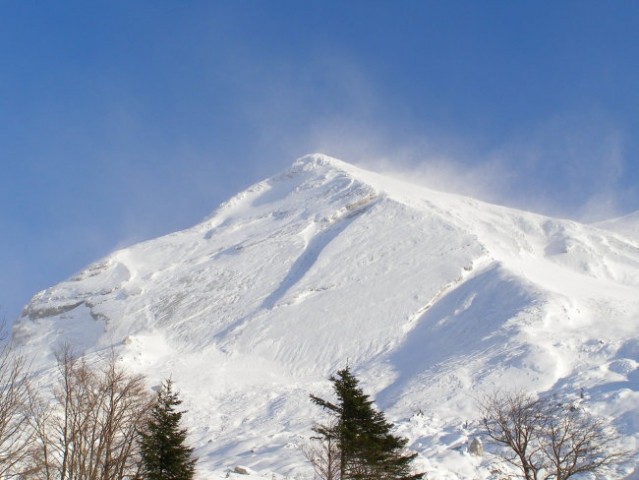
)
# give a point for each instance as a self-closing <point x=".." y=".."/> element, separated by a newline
<point x="432" y="298"/>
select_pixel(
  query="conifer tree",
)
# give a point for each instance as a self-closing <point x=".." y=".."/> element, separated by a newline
<point x="368" y="449"/>
<point x="165" y="456"/>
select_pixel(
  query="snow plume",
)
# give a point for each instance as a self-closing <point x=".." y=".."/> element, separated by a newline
<point x="570" y="164"/>
<point x="566" y="167"/>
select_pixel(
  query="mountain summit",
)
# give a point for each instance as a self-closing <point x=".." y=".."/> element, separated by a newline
<point x="432" y="298"/>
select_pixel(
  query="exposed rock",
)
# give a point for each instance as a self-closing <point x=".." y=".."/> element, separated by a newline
<point x="476" y="448"/>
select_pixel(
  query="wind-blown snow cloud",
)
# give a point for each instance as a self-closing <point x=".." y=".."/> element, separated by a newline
<point x="571" y="165"/>
<point x="566" y="167"/>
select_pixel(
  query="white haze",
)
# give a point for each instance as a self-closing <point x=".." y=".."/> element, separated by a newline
<point x="564" y="168"/>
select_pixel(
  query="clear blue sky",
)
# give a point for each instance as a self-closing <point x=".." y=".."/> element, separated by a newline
<point x="125" y="120"/>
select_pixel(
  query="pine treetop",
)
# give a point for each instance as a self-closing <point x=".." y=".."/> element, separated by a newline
<point x="164" y="453"/>
<point x="368" y="448"/>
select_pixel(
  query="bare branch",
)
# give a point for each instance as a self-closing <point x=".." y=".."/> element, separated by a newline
<point x="15" y="434"/>
<point x="324" y="455"/>
<point x="91" y="430"/>
<point x="548" y="440"/>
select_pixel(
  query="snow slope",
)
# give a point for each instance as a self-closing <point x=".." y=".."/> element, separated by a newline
<point x="432" y="298"/>
<point x="628" y="225"/>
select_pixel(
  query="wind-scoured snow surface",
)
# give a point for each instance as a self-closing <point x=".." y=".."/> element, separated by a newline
<point x="433" y="300"/>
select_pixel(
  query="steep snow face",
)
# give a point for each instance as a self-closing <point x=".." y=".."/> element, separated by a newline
<point x="432" y="298"/>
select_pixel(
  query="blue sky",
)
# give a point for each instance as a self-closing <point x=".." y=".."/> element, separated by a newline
<point x="124" y="120"/>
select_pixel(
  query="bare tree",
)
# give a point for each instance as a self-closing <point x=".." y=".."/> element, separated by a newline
<point x="515" y="420"/>
<point x="325" y="456"/>
<point x="577" y="443"/>
<point x="38" y="461"/>
<point x="548" y="440"/>
<point x="90" y="430"/>
<point x="123" y="412"/>
<point x="15" y="433"/>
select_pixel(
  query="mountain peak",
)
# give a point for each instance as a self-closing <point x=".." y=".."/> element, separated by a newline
<point x="323" y="166"/>
<point x="328" y="167"/>
<point x="314" y="160"/>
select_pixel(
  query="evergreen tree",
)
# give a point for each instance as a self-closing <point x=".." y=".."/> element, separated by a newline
<point x="367" y="448"/>
<point x="164" y="453"/>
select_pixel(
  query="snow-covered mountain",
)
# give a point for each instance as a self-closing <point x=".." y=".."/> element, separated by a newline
<point x="432" y="298"/>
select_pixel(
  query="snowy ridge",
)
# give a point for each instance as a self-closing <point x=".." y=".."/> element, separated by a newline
<point x="433" y="298"/>
<point x="628" y="225"/>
